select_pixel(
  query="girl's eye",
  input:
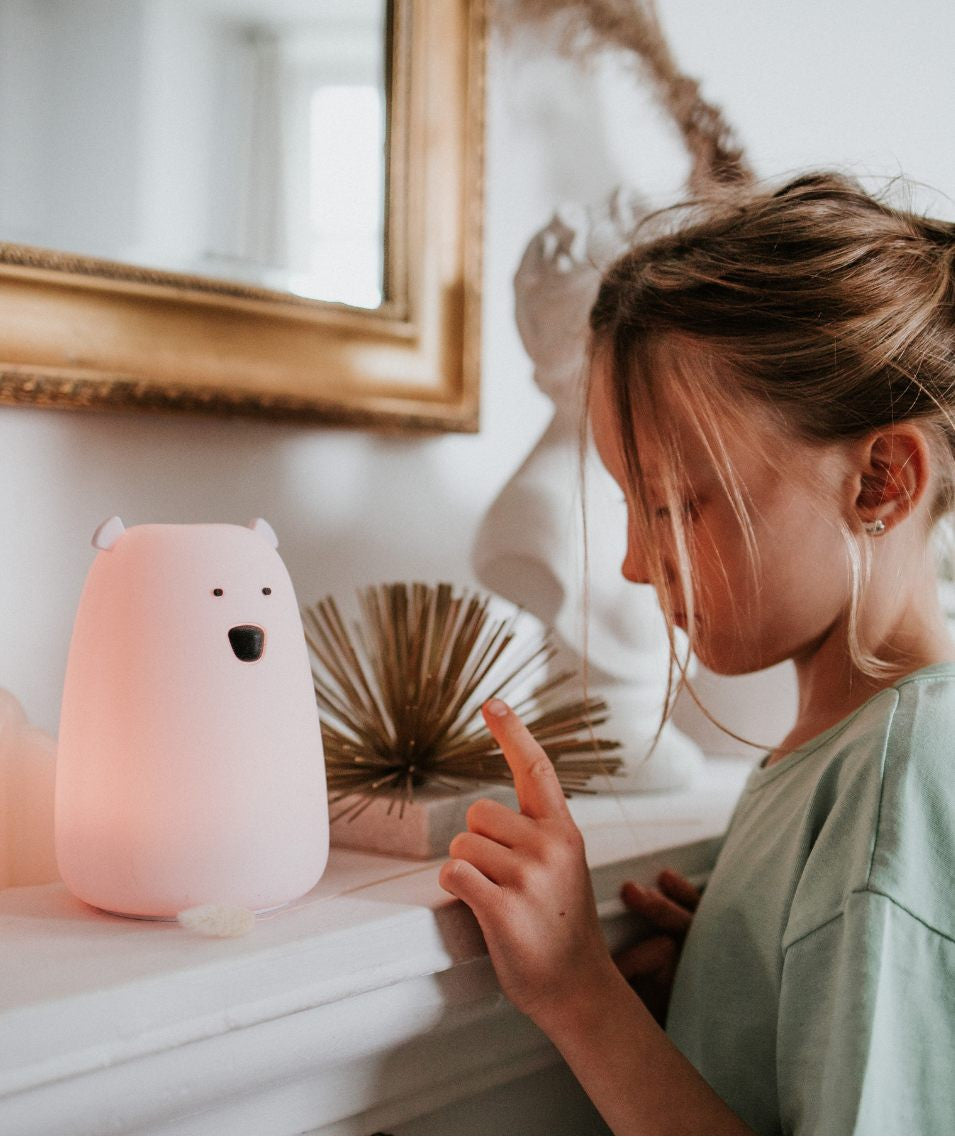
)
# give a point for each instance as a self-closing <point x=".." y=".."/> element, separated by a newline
<point x="688" y="508"/>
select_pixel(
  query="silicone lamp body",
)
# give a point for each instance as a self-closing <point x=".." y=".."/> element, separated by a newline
<point x="190" y="767"/>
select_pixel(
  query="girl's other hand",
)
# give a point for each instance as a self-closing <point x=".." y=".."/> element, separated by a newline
<point x="650" y="965"/>
<point x="525" y="877"/>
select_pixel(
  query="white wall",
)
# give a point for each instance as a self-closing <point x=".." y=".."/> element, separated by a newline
<point x="866" y="84"/>
<point x="53" y="57"/>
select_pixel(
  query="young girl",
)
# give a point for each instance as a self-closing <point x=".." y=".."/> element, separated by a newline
<point x="772" y="388"/>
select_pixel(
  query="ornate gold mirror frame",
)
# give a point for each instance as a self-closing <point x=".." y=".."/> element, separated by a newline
<point x="76" y="332"/>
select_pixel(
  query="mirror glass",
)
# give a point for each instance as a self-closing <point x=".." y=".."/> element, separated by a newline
<point x="239" y="139"/>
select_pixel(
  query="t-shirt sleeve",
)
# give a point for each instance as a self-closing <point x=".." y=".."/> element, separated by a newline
<point x="866" y="1036"/>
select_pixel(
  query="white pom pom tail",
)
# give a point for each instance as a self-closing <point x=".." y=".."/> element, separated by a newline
<point x="223" y="920"/>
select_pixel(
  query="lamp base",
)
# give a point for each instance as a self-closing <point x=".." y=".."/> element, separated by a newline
<point x="176" y="919"/>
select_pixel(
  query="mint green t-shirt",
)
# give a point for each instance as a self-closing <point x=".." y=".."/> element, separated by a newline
<point x="816" y="990"/>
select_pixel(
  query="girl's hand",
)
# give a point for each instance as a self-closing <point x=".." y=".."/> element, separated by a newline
<point x="525" y="877"/>
<point x="649" y="966"/>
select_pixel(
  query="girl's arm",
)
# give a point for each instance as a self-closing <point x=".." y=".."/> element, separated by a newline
<point x="525" y="877"/>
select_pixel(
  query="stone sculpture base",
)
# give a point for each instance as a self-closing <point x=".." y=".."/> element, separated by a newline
<point x="422" y="832"/>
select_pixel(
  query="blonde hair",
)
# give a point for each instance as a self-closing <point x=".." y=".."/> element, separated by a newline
<point x="820" y="306"/>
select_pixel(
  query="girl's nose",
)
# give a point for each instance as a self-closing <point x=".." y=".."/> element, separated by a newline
<point x="634" y="567"/>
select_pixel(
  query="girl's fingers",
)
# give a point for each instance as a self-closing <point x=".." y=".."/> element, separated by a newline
<point x="646" y="958"/>
<point x="490" y="859"/>
<point x="666" y="914"/>
<point x="463" y="880"/>
<point x="678" y="888"/>
<point x="499" y="822"/>
<point x="535" y="779"/>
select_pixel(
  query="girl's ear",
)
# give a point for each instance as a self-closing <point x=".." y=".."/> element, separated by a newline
<point x="892" y="470"/>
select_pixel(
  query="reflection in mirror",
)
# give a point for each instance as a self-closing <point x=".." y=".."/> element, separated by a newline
<point x="239" y="139"/>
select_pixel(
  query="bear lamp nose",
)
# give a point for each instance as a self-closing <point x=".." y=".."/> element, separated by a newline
<point x="247" y="642"/>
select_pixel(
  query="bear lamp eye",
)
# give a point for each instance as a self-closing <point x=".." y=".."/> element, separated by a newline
<point x="266" y="591"/>
<point x="217" y="592"/>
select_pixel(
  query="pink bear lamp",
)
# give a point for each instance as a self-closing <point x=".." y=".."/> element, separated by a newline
<point x="190" y="768"/>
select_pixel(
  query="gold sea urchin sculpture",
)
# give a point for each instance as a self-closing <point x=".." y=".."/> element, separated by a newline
<point x="401" y="692"/>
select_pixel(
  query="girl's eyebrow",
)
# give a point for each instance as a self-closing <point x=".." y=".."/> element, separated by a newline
<point x="652" y="481"/>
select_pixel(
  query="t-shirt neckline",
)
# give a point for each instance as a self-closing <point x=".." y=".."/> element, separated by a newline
<point x="761" y="774"/>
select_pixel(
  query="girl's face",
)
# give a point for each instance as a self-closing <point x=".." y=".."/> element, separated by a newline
<point x="747" y="615"/>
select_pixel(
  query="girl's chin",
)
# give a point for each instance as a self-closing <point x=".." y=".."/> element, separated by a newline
<point x="729" y="665"/>
<point x="726" y="659"/>
<point x="720" y="654"/>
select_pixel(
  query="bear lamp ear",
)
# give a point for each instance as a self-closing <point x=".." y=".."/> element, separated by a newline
<point x="108" y="533"/>
<point x="264" y="529"/>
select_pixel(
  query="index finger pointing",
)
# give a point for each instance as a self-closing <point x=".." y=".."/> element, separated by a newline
<point x="538" y="790"/>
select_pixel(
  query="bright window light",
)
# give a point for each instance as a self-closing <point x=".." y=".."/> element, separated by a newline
<point x="346" y="197"/>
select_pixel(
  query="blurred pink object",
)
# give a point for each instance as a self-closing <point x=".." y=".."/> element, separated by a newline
<point x="190" y="766"/>
<point x="27" y="763"/>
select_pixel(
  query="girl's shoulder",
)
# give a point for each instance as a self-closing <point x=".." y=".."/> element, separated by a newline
<point x="926" y="707"/>
<point x="913" y="853"/>
<point x="878" y="802"/>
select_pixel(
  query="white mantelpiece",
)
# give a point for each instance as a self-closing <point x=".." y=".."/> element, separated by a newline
<point x="372" y="1005"/>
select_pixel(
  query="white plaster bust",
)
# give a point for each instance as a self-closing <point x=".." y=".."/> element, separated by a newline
<point x="530" y="545"/>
